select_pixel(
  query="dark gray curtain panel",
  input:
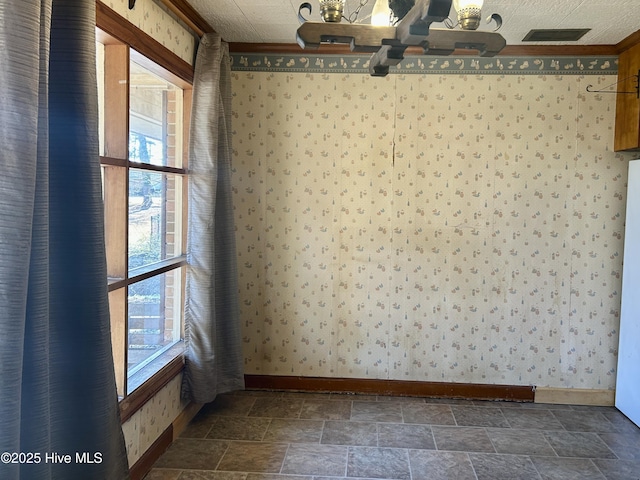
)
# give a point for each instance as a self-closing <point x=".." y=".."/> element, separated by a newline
<point x="212" y="329"/>
<point x="57" y="383"/>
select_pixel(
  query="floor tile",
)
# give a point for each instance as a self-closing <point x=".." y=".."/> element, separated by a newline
<point x="448" y="401"/>
<point x="261" y="393"/>
<point x="400" y="435"/>
<point x="401" y="400"/>
<point x="341" y="478"/>
<point x="430" y="414"/>
<point x="229" y="405"/>
<point x="604" y="409"/>
<point x="200" y="425"/>
<point x="193" y="453"/>
<point x="532" y="419"/>
<point x="520" y="442"/>
<point x="269" y="435"/>
<point x="584" y="421"/>
<point x="294" y="431"/>
<point x="553" y="468"/>
<point x="376" y="412"/>
<point x="624" y="445"/>
<point x="619" y="469"/>
<point x="308" y="459"/>
<point x="239" y="428"/>
<point x="546" y="406"/>
<point x="271" y="476"/>
<point x="277" y="408"/>
<point x="210" y="475"/>
<point x="479" y="416"/>
<point x="577" y="444"/>
<point x="316" y="409"/>
<point x="462" y="439"/>
<point x="497" y="404"/>
<point x="621" y="423"/>
<point x="308" y="395"/>
<point x="163" y="474"/>
<point x="358" y="397"/>
<point x="350" y="433"/>
<point x="253" y="457"/>
<point x="432" y="465"/>
<point x="503" y="467"/>
<point x="386" y="463"/>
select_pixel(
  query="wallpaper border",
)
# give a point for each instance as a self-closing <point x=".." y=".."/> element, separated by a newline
<point x="583" y="65"/>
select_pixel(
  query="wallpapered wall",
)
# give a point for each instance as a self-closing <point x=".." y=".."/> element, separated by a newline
<point x="438" y="227"/>
<point x="155" y="20"/>
<point x="148" y="423"/>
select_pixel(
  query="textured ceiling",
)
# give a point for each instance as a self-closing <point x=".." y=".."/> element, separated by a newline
<point x="276" y="21"/>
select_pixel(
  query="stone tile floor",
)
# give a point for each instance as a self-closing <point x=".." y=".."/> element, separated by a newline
<point x="257" y="435"/>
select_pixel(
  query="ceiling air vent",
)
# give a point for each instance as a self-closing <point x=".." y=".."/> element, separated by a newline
<point x="555" y="35"/>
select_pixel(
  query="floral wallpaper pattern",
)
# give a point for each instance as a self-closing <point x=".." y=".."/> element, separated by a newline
<point x="434" y="227"/>
<point x="148" y="423"/>
<point x="156" y="21"/>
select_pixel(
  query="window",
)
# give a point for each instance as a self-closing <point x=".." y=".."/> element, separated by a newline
<point x="143" y="127"/>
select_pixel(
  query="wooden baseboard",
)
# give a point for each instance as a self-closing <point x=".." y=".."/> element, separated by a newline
<point x="166" y="438"/>
<point x="575" y="396"/>
<point x="392" y="387"/>
<point x="148" y="458"/>
<point x="180" y="423"/>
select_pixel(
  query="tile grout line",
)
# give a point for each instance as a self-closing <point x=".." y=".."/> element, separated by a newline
<point x="264" y="434"/>
<point x="284" y="458"/>
<point x="473" y="467"/>
<point x="409" y="463"/>
<point x="346" y="463"/>
<point x="599" y="470"/>
<point x="226" y="450"/>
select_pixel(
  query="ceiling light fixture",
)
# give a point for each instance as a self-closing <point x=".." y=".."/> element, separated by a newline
<point x="331" y="10"/>
<point x="409" y="26"/>
<point x="469" y="13"/>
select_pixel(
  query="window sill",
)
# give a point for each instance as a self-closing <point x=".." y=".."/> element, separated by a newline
<point x="145" y="383"/>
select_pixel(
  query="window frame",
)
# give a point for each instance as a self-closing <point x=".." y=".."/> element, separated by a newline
<point x="126" y="42"/>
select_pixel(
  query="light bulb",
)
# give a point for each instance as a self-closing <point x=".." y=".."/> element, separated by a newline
<point x="381" y="13"/>
<point x="462" y="4"/>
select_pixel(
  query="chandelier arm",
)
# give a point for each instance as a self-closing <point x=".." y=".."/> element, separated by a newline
<point x="361" y="38"/>
<point x="440" y="42"/>
<point x="385" y="57"/>
<point x="496" y="18"/>
<point x="305" y="5"/>
<point x="412" y="29"/>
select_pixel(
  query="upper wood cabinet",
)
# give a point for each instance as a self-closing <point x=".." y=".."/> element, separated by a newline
<point x="627" y="134"/>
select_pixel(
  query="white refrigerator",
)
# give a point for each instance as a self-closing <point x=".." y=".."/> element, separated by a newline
<point x="628" y="378"/>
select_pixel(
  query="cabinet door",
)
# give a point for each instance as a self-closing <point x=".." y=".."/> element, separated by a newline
<point x="628" y="379"/>
<point x="627" y="133"/>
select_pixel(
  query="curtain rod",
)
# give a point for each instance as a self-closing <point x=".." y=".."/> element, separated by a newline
<point x="186" y="13"/>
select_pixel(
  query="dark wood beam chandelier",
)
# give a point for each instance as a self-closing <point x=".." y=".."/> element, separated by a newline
<point x="409" y="25"/>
